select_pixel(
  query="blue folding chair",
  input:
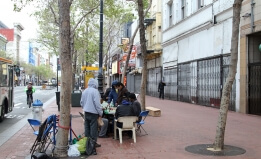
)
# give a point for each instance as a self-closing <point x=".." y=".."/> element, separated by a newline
<point x="34" y="122"/>
<point x="143" y="116"/>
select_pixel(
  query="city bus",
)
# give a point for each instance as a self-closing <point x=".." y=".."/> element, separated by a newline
<point x="6" y="87"/>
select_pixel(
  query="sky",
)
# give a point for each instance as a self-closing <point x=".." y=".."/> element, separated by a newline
<point x="9" y="17"/>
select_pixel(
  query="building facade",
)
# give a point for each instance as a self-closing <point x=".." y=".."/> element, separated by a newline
<point x="250" y="57"/>
<point x="196" y="43"/>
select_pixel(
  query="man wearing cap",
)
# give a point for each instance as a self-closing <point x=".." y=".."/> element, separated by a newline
<point x="113" y="96"/>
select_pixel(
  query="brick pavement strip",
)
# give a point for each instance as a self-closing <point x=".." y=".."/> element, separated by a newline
<point x="180" y="125"/>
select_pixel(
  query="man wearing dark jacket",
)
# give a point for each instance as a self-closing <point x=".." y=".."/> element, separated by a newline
<point x="124" y="109"/>
<point x="135" y="104"/>
<point x="161" y="89"/>
<point x="121" y="92"/>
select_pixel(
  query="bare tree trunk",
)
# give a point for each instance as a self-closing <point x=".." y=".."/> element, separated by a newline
<point x="143" y="54"/>
<point x="225" y="99"/>
<point x="131" y="45"/>
<point x="66" y="70"/>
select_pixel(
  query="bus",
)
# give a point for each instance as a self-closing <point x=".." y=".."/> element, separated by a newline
<point x="6" y="87"/>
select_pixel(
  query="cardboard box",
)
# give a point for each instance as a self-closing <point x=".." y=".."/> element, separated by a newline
<point x="154" y="111"/>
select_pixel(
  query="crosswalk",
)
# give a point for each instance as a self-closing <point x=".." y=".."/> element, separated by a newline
<point x="10" y="116"/>
<point x="17" y="106"/>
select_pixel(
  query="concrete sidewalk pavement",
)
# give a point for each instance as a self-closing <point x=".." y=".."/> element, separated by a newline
<point x="180" y="125"/>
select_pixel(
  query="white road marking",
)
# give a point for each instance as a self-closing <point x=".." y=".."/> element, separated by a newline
<point x="18" y="104"/>
<point x="10" y="116"/>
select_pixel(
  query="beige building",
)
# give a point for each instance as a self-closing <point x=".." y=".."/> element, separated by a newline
<point x="250" y="58"/>
<point x="154" y="48"/>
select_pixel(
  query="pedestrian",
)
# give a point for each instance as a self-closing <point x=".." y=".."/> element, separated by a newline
<point x="113" y="96"/>
<point x="90" y="102"/>
<point x="161" y="89"/>
<point x="121" y="91"/>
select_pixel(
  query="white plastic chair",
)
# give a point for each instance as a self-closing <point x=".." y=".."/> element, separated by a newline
<point x="128" y="123"/>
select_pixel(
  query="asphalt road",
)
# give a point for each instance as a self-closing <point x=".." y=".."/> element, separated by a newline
<point x="21" y="109"/>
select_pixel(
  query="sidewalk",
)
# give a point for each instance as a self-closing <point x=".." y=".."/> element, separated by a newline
<point x="180" y="125"/>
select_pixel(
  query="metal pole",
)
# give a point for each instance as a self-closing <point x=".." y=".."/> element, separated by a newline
<point x="100" y="76"/>
<point x="57" y="74"/>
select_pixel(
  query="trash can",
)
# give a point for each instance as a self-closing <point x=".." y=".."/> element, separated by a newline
<point x="37" y="110"/>
<point x="58" y="100"/>
<point x="44" y="86"/>
<point x="76" y="98"/>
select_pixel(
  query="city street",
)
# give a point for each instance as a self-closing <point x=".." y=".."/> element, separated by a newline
<point x="21" y="109"/>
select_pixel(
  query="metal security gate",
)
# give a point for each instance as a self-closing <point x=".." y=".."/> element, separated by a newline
<point x="254" y="89"/>
<point x="153" y="79"/>
<point x="209" y="81"/>
<point x="254" y="76"/>
<point x="184" y="82"/>
<point x="130" y="83"/>
<point x="134" y="83"/>
<point x="171" y="89"/>
<point x="137" y="84"/>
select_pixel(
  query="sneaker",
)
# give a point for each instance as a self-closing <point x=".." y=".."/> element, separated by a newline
<point x="97" y="145"/>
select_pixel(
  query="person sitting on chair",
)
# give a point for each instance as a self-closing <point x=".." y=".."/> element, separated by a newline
<point x="29" y="89"/>
<point x="124" y="109"/>
<point x="135" y="104"/>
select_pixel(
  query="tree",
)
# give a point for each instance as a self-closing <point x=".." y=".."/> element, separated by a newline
<point x="65" y="95"/>
<point x="225" y="99"/>
<point x="143" y="53"/>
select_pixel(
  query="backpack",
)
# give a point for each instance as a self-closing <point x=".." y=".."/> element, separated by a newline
<point x="29" y="87"/>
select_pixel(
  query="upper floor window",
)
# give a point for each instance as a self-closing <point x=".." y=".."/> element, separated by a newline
<point x="200" y="3"/>
<point x="183" y="9"/>
<point x="170" y="12"/>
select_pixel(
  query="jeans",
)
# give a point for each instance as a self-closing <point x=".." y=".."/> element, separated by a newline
<point x="104" y="128"/>
<point x="91" y="125"/>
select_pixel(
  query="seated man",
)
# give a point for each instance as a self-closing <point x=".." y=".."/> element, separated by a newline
<point x="124" y="109"/>
<point x="135" y="105"/>
<point x="103" y="129"/>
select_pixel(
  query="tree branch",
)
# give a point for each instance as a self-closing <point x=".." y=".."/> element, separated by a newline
<point x="54" y="15"/>
<point x="73" y="30"/>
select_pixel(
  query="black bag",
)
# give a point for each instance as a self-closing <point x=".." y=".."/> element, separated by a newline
<point x="40" y="155"/>
<point x="90" y="146"/>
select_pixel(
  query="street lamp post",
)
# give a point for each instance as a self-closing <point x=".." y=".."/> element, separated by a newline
<point x="100" y="73"/>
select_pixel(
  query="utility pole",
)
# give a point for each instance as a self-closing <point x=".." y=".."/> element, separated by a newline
<point x="100" y="73"/>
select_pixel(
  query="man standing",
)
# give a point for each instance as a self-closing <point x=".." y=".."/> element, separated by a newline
<point x="161" y="89"/>
<point x="90" y="102"/>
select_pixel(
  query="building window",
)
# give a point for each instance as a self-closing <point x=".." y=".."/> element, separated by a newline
<point x="170" y="12"/>
<point x="183" y="14"/>
<point x="200" y="3"/>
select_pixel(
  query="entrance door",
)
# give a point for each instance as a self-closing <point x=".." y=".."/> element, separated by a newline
<point x="254" y="89"/>
<point x="254" y="76"/>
